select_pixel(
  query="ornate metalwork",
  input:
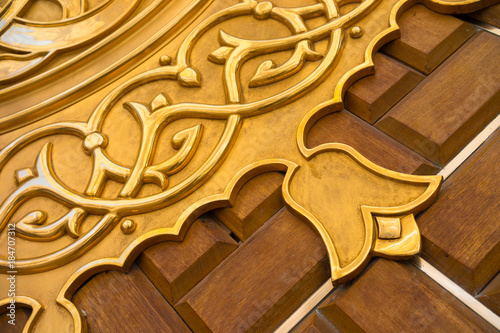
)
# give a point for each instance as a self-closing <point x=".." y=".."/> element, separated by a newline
<point x="359" y="209"/>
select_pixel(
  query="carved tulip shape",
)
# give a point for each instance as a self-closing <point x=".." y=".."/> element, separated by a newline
<point x="359" y="209"/>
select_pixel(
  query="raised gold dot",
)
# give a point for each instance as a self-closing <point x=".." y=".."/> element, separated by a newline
<point x="128" y="226"/>
<point x="165" y="60"/>
<point x="356" y="32"/>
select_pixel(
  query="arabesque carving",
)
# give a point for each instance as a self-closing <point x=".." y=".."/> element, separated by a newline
<point x="359" y="209"/>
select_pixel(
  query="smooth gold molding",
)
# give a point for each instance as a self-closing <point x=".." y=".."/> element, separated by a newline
<point x="271" y="89"/>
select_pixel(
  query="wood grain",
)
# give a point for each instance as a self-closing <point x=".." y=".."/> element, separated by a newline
<point x="444" y="112"/>
<point x="22" y="316"/>
<point x="461" y="230"/>
<point x="372" y="96"/>
<point x="314" y="323"/>
<point x="262" y="282"/>
<point x="490" y="15"/>
<point x="343" y="127"/>
<point x="396" y="297"/>
<point x="176" y="267"/>
<point x="118" y="302"/>
<point x="427" y="38"/>
<point x="490" y="296"/>
<point x="258" y="200"/>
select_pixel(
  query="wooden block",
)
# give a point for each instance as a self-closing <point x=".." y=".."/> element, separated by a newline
<point x="343" y="127"/>
<point x="372" y="96"/>
<point x="258" y="200"/>
<point x="118" y="302"/>
<point x="396" y="297"/>
<point x="259" y="285"/>
<point x="490" y="15"/>
<point x="314" y="323"/>
<point x="444" y="112"/>
<point x="176" y="267"/>
<point x="490" y="296"/>
<point x="427" y="38"/>
<point x="22" y="316"/>
<point x="461" y="230"/>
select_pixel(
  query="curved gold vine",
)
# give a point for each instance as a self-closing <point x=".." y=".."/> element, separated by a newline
<point x="41" y="180"/>
<point x="154" y="118"/>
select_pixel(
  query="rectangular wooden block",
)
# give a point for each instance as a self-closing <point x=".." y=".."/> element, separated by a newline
<point x="444" y="112"/>
<point x="371" y="97"/>
<point x="258" y="200"/>
<point x="259" y="285"/>
<point x="176" y="267"/>
<point x="314" y="323"/>
<point x="343" y="127"/>
<point x="396" y="297"/>
<point x="461" y="230"/>
<point x="427" y="38"/>
<point x="490" y="296"/>
<point x="117" y="302"/>
<point x="490" y="15"/>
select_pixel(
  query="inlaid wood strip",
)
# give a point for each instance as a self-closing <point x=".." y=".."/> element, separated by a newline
<point x="397" y="297"/>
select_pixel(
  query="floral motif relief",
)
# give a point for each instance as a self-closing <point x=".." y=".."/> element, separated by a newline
<point x="381" y="214"/>
<point x="27" y="44"/>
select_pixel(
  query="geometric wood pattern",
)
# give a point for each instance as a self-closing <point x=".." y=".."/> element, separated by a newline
<point x="372" y="96"/>
<point x="176" y="267"/>
<point x="117" y="302"/>
<point x="260" y="284"/>
<point x="343" y="127"/>
<point x="490" y="295"/>
<point x="461" y="231"/>
<point x="430" y="121"/>
<point x="258" y="200"/>
<point x="396" y="297"/>
<point x="427" y="38"/>
<point x="490" y="15"/>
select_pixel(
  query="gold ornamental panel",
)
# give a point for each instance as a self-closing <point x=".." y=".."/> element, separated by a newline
<point x="125" y="120"/>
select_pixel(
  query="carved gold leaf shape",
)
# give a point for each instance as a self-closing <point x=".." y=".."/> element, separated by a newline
<point x="359" y="209"/>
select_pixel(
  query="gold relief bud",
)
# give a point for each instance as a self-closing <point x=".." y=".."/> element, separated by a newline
<point x="93" y="141"/>
<point x="263" y="10"/>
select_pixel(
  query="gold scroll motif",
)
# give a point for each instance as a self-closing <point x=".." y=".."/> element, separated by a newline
<point x="28" y="45"/>
<point x="359" y="209"/>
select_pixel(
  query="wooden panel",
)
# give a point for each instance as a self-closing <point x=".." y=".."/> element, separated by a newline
<point x="176" y="267"/>
<point x="372" y="96"/>
<point x="427" y="38"/>
<point x="258" y="200"/>
<point x="22" y="316"/>
<point x="490" y="15"/>
<point x="118" y="302"/>
<point x="490" y="296"/>
<point x="315" y="323"/>
<point x="262" y="282"/>
<point x="397" y="297"/>
<point x="461" y="230"/>
<point x="343" y="127"/>
<point x="443" y="113"/>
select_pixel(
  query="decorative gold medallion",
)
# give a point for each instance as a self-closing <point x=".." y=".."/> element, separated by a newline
<point x="228" y="97"/>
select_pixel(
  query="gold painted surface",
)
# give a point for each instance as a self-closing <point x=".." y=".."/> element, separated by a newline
<point x="231" y="96"/>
